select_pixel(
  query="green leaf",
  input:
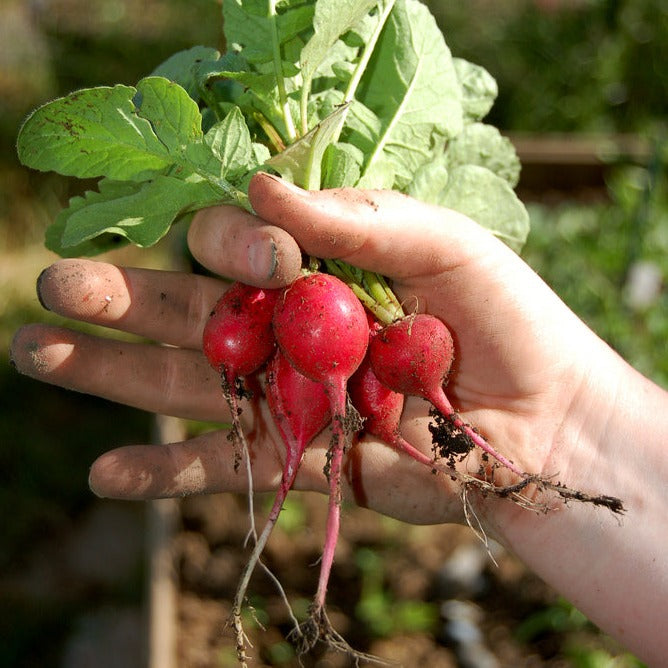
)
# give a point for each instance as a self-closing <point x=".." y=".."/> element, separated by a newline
<point x="142" y="213"/>
<point x="479" y="89"/>
<point x="363" y="128"/>
<point x="483" y="145"/>
<point x="490" y="201"/>
<point x="233" y="66"/>
<point x="93" y="132"/>
<point x="122" y="133"/>
<point x="260" y="154"/>
<point x="301" y="162"/>
<point x="248" y="27"/>
<point x="380" y="175"/>
<point x="332" y="19"/>
<point x="412" y="87"/>
<point x="103" y="243"/>
<point x="430" y="180"/>
<point x="184" y="68"/>
<point x="341" y="166"/>
<point x="231" y="144"/>
<point x="173" y="114"/>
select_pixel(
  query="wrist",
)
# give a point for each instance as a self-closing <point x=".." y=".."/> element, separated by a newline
<point x="612" y="567"/>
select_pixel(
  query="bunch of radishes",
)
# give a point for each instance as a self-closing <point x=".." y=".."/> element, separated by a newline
<point x="328" y="361"/>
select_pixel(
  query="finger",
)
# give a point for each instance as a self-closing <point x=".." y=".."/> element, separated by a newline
<point x="376" y="476"/>
<point x="170" y="307"/>
<point x="170" y="381"/>
<point x="233" y="243"/>
<point x="202" y="465"/>
<point x="383" y="231"/>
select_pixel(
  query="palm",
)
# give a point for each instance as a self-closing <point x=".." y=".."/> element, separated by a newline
<point x="501" y="381"/>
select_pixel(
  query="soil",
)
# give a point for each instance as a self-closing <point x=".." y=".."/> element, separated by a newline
<point x="415" y="596"/>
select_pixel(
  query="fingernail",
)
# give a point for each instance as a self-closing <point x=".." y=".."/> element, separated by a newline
<point x="12" y="361"/>
<point x="263" y="258"/>
<point x="285" y="184"/>
<point x="38" y="289"/>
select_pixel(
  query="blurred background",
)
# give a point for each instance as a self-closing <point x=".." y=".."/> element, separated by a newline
<point x="583" y="94"/>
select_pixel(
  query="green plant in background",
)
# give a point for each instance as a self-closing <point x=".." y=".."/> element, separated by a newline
<point x="585" y="657"/>
<point x="560" y="617"/>
<point x="564" y="619"/>
<point x="594" y="66"/>
<point x="378" y="608"/>
<point x="608" y="261"/>
<point x="293" y="518"/>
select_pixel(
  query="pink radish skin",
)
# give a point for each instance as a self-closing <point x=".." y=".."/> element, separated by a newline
<point x="380" y="406"/>
<point x="238" y="337"/>
<point x="322" y="329"/>
<point x="381" y="409"/>
<point x="287" y="391"/>
<point x="413" y="356"/>
<point x="237" y="340"/>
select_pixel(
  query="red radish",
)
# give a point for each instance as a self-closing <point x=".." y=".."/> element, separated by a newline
<point x="381" y="409"/>
<point x="413" y="356"/>
<point x="288" y="394"/>
<point x="321" y="326"/>
<point x="300" y="408"/>
<point x="322" y="329"/>
<point x="238" y="339"/>
<point x="380" y="406"/>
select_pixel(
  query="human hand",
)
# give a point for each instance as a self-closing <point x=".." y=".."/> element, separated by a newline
<point x="517" y="345"/>
<point x="543" y="389"/>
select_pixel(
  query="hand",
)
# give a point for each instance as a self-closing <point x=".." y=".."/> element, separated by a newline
<point x="515" y="341"/>
<point x="543" y="389"/>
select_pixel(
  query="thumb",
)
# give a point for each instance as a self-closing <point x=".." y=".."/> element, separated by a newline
<point x="383" y="231"/>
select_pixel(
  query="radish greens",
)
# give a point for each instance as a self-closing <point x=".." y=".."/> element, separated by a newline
<point x="328" y="93"/>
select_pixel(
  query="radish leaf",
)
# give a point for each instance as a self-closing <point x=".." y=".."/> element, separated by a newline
<point x="412" y="87"/>
<point x="341" y="166"/>
<point x="483" y="145"/>
<point x="488" y="199"/>
<point x="230" y="142"/>
<point x="479" y="90"/>
<point x="331" y="20"/>
<point x="184" y="68"/>
<point x="141" y="213"/>
<point x="93" y="132"/>
<point x="301" y="162"/>
<point x="328" y="93"/>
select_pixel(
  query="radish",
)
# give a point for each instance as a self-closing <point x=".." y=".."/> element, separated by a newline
<point x="287" y="392"/>
<point x="321" y="327"/>
<point x="238" y="337"/>
<point x="378" y="405"/>
<point x="237" y="340"/>
<point x="413" y="356"/>
<point x="381" y="408"/>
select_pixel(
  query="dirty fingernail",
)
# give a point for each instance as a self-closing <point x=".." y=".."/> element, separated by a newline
<point x="284" y="183"/>
<point x="38" y="289"/>
<point x="263" y="258"/>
